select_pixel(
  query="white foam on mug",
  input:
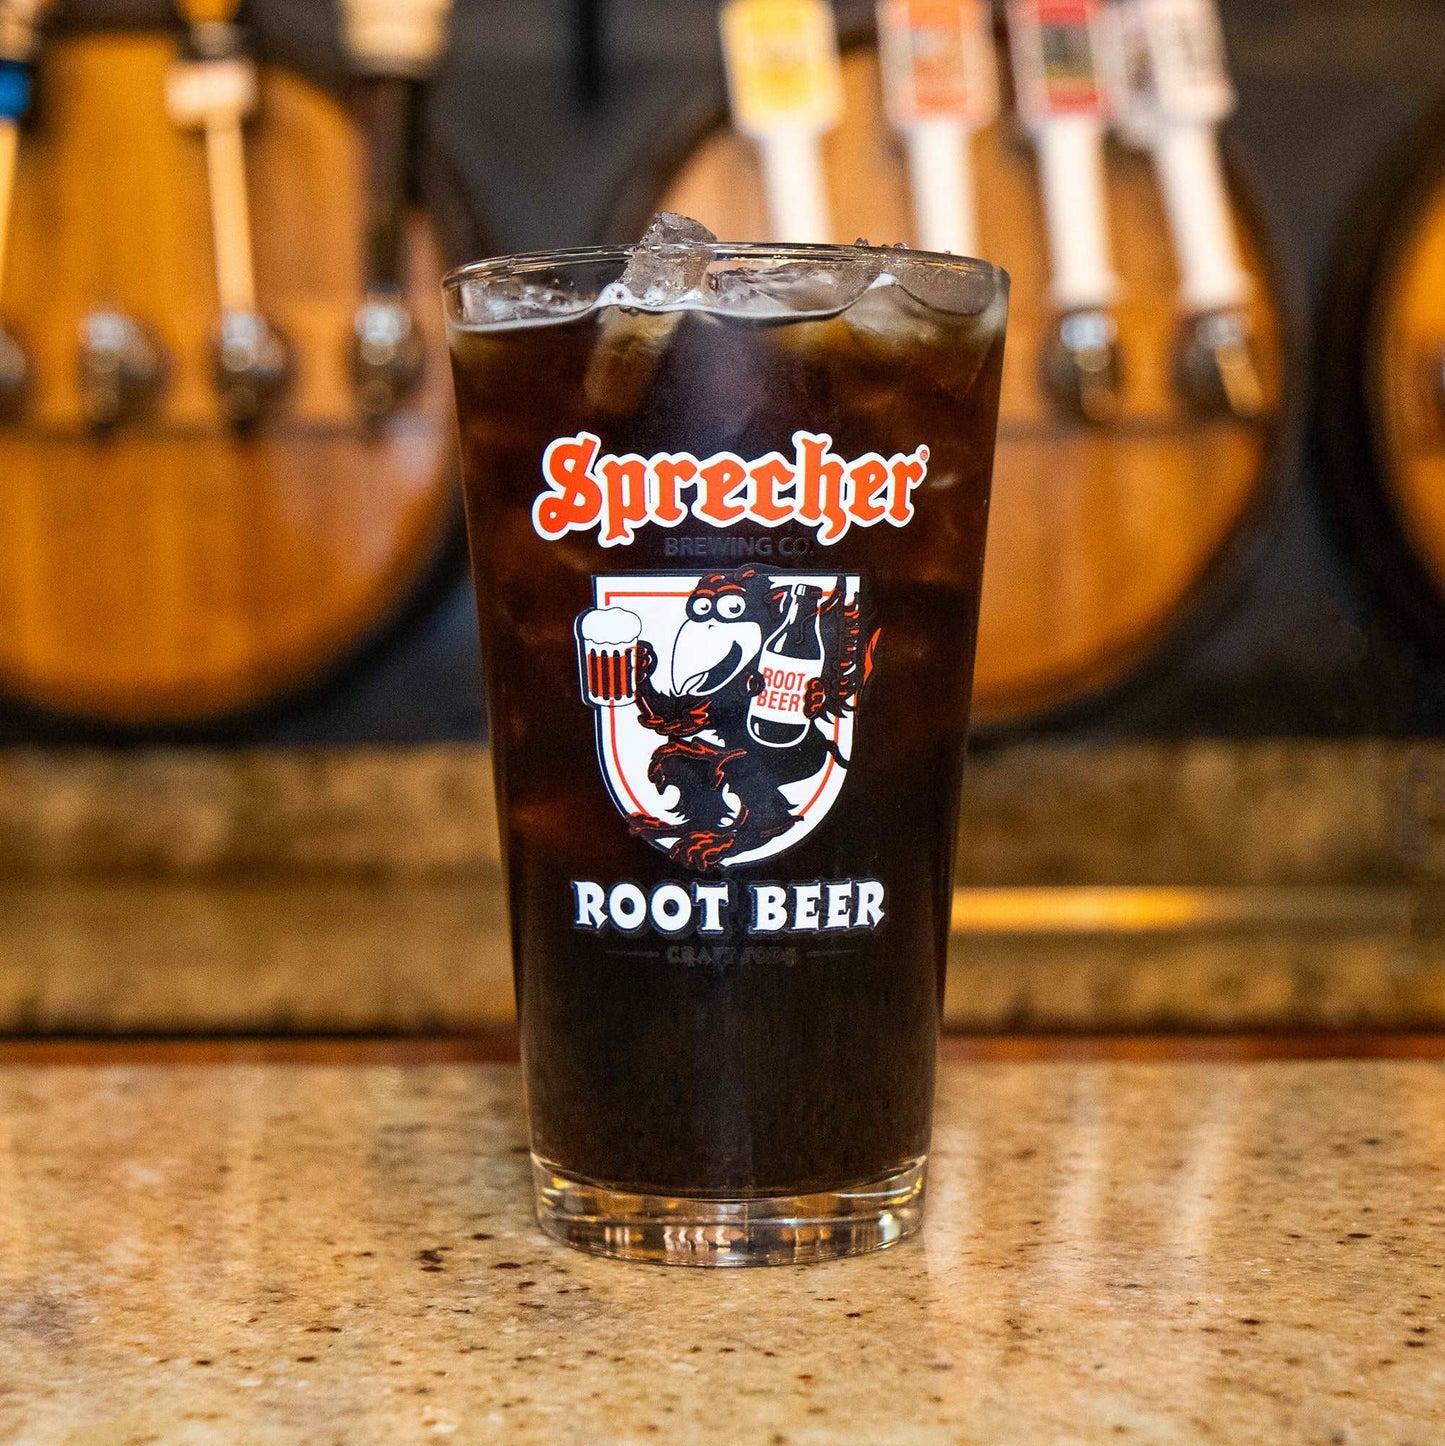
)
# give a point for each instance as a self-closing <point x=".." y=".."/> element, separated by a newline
<point x="611" y="628"/>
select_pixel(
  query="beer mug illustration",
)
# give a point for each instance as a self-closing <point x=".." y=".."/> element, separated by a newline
<point x="792" y="659"/>
<point x="607" y="640"/>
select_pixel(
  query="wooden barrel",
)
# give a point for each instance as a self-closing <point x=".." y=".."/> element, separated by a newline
<point x="174" y="571"/>
<point x="1105" y="544"/>
<point x="1381" y="415"/>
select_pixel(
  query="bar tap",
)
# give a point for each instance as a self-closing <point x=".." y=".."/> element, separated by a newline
<point x="940" y="87"/>
<point x="394" y="46"/>
<point x="785" y="88"/>
<point x="1063" y="103"/>
<point x="19" y="22"/>
<point x="213" y="88"/>
<point x="1172" y="90"/>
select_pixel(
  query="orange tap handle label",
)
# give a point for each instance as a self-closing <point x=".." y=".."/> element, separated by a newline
<point x="938" y="61"/>
<point x="782" y="65"/>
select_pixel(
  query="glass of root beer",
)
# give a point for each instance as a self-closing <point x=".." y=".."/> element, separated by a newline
<point x="727" y="507"/>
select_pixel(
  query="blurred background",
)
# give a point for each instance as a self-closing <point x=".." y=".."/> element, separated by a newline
<point x="243" y="781"/>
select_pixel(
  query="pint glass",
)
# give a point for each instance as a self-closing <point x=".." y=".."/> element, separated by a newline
<point x="727" y="534"/>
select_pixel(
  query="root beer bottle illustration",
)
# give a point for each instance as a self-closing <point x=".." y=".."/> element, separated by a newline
<point x="791" y="665"/>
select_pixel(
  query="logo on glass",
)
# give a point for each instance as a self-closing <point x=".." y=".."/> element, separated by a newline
<point x="724" y="704"/>
<point x="814" y="488"/>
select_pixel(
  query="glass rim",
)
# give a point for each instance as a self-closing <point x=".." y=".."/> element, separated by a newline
<point x="497" y="268"/>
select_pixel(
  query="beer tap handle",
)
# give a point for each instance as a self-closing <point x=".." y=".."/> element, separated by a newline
<point x="794" y="181"/>
<point x="400" y="38"/>
<point x="19" y="21"/>
<point x="14" y="365"/>
<point x="940" y="86"/>
<point x="589" y="50"/>
<point x="1062" y="102"/>
<point x="785" y="89"/>
<point x="1172" y="91"/>
<point x="213" y="90"/>
<point x="940" y="175"/>
<point x="1191" y="178"/>
<point x="394" y="45"/>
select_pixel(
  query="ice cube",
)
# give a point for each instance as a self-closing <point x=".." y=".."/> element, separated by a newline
<point x="669" y="262"/>
<point x="630" y="348"/>
<point x="962" y="290"/>
<point x="515" y="298"/>
<point x="886" y="319"/>
<point x="793" y="287"/>
<point x="905" y="337"/>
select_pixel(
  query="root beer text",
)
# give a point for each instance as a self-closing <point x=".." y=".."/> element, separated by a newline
<point x="674" y="910"/>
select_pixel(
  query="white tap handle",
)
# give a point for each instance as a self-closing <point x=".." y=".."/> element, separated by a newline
<point x="1061" y="98"/>
<point x="795" y="184"/>
<point x="1175" y="48"/>
<point x="785" y="90"/>
<point x="215" y="96"/>
<point x="200" y="91"/>
<point x="940" y="170"/>
<point x="940" y="85"/>
<point x="1071" y="166"/>
<point x="230" y="215"/>
<point x="9" y="146"/>
<point x="1191" y="177"/>
<point x="396" y="37"/>
<point x="1171" y="89"/>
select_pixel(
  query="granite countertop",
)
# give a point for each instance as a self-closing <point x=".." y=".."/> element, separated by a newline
<point x="1113" y="1252"/>
<point x="268" y="891"/>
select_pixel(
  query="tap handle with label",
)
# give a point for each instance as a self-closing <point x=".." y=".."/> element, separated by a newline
<point x="393" y="47"/>
<point x="940" y="86"/>
<point x="1063" y="103"/>
<point x="785" y="89"/>
<point x="1172" y="90"/>
<point x="212" y="88"/>
<point x="19" y="39"/>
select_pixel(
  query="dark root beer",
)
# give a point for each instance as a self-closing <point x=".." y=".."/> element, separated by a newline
<point x="728" y="536"/>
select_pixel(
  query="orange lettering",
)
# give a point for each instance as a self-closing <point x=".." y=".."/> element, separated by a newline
<point x="817" y="488"/>
<point x="671" y="473"/>
<point x="575" y="500"/>
<point x="722" y="479"/>
<point x="770" y="476"/>
<point x="626" y="496"/>
<point x="869" y="476"/>
<point x="908" y="473"/>
<point x="820" y="490"/>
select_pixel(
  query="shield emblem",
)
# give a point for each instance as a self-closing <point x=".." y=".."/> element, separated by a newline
<point x="724" y="704"/>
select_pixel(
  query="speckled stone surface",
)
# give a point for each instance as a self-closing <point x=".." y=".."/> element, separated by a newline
<point x="1113" y="1253"/>
<point x="1262" y="812"/>
<point x="104" y="957"/>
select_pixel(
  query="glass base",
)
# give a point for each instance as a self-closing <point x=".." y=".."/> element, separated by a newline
<point x="771" y="1230"/>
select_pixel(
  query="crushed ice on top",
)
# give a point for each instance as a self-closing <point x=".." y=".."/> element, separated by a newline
<point x="669" y="264"/>
<point x="674" y="267"/>
<point x="515" y="299"/>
